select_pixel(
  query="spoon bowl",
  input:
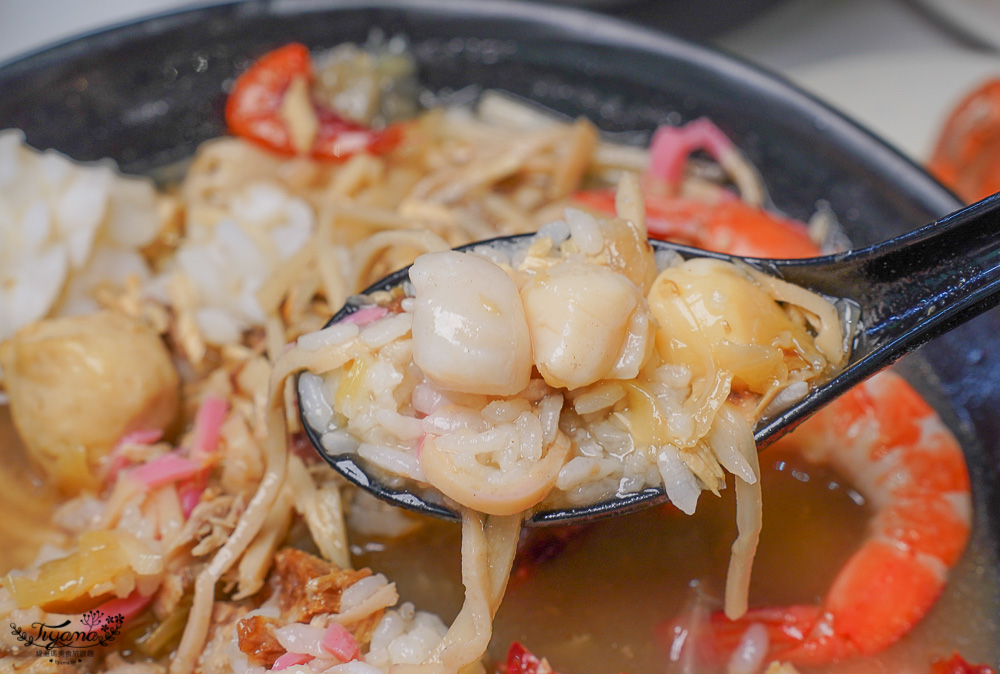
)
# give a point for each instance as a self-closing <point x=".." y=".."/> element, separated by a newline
<point x="895" y="295"/>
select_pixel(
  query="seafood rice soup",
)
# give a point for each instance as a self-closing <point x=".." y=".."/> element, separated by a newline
<point x="197" y="530"/>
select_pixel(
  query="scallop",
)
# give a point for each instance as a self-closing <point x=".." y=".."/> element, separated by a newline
<point x="469" y="328"/>
<point x="586" y="323"/>
<point x="711" y="307"/>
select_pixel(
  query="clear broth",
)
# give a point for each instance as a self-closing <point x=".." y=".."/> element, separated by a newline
<point x="595" y="607"/>
<point x="26" y="504"/>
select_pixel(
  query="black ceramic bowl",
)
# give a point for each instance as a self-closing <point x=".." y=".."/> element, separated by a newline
<point x="148" y="93"/>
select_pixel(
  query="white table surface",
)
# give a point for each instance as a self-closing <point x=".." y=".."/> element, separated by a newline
<point x="885" y="62"/>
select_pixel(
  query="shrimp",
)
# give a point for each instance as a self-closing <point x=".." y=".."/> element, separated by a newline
<point x="720" y="220"/>
<point x="967" y="155"/>
<point x="905" y="462"/>
<point x="729" y="226"/>
<point x="898" y="453"/>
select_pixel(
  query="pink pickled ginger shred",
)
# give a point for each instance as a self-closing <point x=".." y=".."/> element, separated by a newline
<point x="671" y="146"/>
<point x="189" y="494"/>
<point x="165" y="469"/>
<point x="363" y="317"/>
<point x="127" y="607"/>
<point x="290" y="659"/>
<point x="207" y="426"/>
<point x="144" y="437"/>
<point x="117" y="461"/>
<point x="341" y="643"/>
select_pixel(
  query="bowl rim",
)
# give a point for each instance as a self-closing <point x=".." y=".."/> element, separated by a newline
<point x="577" y="23"/>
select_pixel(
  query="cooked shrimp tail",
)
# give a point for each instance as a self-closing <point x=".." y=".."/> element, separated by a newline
<point x="965" y="157"/>
<point x="905" y="462"/>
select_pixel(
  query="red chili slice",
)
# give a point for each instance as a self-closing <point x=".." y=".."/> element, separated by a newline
<point x="967" y="155"/>
<point x="522" y="661"/>
<point x="253" y="110"/>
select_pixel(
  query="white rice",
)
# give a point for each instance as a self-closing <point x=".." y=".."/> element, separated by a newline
<point x="530" y="435"/>
<point x="614" y="440"/>
<point x="549" y="410"/>
<point x="338" y="333"/>
<point x="593" y="491"/>
<point x="357" y="593"/>
<point x="666" y="258"/>
<point x="404" y="636"/>
<point x="233" y="248"/>
<point x="390" y="329"/>
<point x="557" y="230"/>
<point x="64" y="228"/>
<point x="584" y="231"/>
<point x="504" y="411"/>
<point x="218" y="325"/>
<point x="630" y="484"/>
<point x="392" y="460"/>
<point x="339" y="441"/>
<point x="678" y="481"/>
<point x="106" y="265"/>
<point x="315" y="406"/>
<point x="354" y="667"/>
<point x="598" y="399"/>
<point x="238" y="662"/>
<point x="495" y="255"/>
<point x="454" y="418"/>
<point x="405" y="428"/>
<point x="301" y="638"/>
<point x="580" y="470"/>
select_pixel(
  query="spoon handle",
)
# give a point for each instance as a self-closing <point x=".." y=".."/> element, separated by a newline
<point x="911" y="289"/>
<point x="922" y="284"/>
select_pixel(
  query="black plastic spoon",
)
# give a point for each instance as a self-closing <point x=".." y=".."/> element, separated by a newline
<point x="908" y="290"/>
